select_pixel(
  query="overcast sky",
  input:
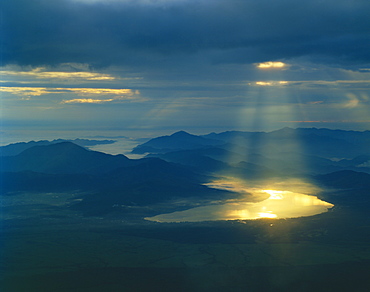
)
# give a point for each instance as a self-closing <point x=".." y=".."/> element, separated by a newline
<point x="196" y="65"/>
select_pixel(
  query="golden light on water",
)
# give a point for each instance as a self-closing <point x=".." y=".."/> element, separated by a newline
<point x="278" y="204"/>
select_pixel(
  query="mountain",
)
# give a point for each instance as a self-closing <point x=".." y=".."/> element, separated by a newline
<point x="181" y="163"/>
<point x="232" y="136"/>
<point x="247" y="170"/>
<point x="346" y="189"/>
<point x="355" y="137"/>
<point x="178" y="141"/>
<point x="362" y="161"/>
<point x="345" y="179"/>
<point x="65" y="157"/>
<point x="151" y="182"/>
<point x="29" y="181"/>
<point x="17" y="148"/>
<point x="302" y="151"/>
<point x="324" y="143"/>
<point x="196" y="159"/>
<point x="103" y="181"/>
<point x="224" y="161"/>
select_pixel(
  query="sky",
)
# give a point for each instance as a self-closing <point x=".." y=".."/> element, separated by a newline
<point x="149" y="67"/>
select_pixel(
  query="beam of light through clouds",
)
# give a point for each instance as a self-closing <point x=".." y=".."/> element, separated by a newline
<point x="194" y="65"/>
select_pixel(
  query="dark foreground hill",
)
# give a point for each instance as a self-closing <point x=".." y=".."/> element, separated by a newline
<point x="345" y="179"/>
<point x="346" y="189"/>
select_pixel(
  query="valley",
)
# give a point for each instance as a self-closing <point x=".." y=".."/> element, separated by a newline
<point x="83" y="227"/>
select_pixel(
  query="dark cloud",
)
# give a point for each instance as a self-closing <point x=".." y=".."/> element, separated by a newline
<point x="223" y="31"/>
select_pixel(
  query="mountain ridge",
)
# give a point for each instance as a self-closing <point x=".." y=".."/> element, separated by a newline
<point x="182" y="163"/>
<point x="63" y="157"/>
<point x="16" y="148"/>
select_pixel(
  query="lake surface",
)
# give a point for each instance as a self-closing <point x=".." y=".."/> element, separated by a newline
<point x="254" y="203"/>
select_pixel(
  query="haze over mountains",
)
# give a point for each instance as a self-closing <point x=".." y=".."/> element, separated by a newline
<point x="289" y="151"/>
<point x="178" y="165"/>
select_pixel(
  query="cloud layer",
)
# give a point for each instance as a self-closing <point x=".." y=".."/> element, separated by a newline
<point x="186" y="64"/>
<point x="136" y="32"/>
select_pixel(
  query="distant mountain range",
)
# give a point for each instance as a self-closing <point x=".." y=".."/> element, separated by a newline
<point x="178" y="165"/>
<point x="286" y="151"/>
<point x="320" y="142"/>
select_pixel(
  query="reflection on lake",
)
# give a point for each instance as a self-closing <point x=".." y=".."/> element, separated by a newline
<point x="274" y="204"/>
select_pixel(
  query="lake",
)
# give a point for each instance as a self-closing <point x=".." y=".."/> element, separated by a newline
<point x="277" y="200"/>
